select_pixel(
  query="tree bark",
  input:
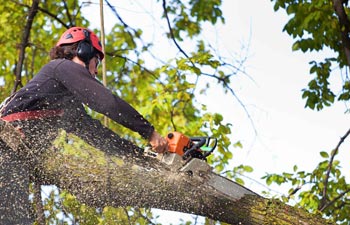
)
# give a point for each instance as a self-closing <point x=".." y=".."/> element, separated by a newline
<point x="24" y="43"/>
<point x="344" y="23"/>
<point x="98" y="179"/>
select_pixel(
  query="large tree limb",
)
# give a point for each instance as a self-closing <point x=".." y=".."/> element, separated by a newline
<point x="99" y="180"/>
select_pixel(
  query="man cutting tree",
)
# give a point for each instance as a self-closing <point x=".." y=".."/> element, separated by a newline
<point x="55" y="99"/>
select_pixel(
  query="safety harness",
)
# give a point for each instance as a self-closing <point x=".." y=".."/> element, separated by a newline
<point x="32" y="115"/>
<point x="27" y="115"/>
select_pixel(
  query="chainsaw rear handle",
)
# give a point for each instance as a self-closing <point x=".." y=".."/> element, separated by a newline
<point x="204" y="140"/>
<point x="198" y="142"/>
<point x="212" y="148"/>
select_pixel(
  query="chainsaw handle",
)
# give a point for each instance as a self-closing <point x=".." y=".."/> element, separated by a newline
<point x="212" y="149"/>
<point x="199" y="142"/>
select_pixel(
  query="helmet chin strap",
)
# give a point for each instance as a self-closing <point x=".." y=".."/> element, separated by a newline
<point x="88" y="69"/>
<point x="87" y="65"/>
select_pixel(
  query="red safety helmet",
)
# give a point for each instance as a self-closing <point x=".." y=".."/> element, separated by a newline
<point x="76" y="34"/>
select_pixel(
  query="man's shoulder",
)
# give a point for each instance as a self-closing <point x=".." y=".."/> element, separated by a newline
<point x="62" y="65"/>
<point x="58" y="62"/>
<point x="53" y="64"/>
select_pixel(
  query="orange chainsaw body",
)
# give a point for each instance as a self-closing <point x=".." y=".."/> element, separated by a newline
<point x="178" y="143"/>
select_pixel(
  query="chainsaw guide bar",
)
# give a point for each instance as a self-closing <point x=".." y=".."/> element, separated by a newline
<point x="188" y="156"/>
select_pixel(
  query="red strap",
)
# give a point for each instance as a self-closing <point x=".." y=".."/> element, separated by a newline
<point x="32" y="115"/>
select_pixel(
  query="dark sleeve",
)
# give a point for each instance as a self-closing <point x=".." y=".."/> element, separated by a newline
<point x="92" y="93"/>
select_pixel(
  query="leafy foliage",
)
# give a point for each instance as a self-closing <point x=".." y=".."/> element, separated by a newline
<point x="320" y="26"/>
<point x="317" y="191"/>
<point x="315" y="26"/>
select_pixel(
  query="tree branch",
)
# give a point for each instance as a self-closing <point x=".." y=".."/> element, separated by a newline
<point x="54" y="17"/>
<point x="334" y="200"/>
<point x="220" y="79"/>
<point x="172" y="33"/>
<point x="44" y="11"/>
<point x="24" y="43"/>
<point x="334" y="153"/>
<point x="68" y="13"/>
<point x="145" y="182"/>
<point x="344" y="26"/>
<point x="120" y="19"/>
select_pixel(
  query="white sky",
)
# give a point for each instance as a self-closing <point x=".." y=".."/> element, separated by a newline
<point x="287" y="133"/>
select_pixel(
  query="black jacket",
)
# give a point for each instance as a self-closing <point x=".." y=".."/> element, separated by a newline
<point x="63" y="84"/>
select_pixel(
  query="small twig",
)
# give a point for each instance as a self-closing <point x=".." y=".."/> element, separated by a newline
<point x="223" y="80"/>
<point x="294" y="191"/>
<point x="253" y="180"/>
<point x="172" y="33"/>
<point x="68" y="13"/>
<point x="144" y="217"/>
<point x="120" y="19"/>
<point x="54" y="17"/>
<point x="133" y="62"/>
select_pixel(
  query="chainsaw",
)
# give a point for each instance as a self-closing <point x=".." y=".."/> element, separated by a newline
<point x="190" y="147"/>
<point x="187" y="154"/>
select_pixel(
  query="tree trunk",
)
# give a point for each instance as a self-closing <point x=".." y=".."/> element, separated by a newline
<point x="99" y="180"/>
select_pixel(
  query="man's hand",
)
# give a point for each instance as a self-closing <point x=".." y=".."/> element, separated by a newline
<point x="158" y="143"/>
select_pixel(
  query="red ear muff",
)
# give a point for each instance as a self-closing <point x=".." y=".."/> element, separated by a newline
<point x="85" y="50"/>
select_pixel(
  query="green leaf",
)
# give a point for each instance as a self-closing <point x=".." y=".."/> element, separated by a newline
<point x="324" y="154"/>
<point x="248" y="169"/>
<point x="239" y="180"/>
<point x="295" y="168"/>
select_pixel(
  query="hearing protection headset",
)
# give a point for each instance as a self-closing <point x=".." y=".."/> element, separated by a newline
<point x="88" y="45"/>
<point x="85" y="50"/>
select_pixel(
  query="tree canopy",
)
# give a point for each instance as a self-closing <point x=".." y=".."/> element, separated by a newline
<point x="164" y="90"/>
<point x="320" y="26"/>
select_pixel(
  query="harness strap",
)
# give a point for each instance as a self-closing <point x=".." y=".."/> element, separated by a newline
<point x="32" y="115"/>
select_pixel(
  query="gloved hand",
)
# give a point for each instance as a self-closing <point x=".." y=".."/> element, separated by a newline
<point x="158" y="143"/>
